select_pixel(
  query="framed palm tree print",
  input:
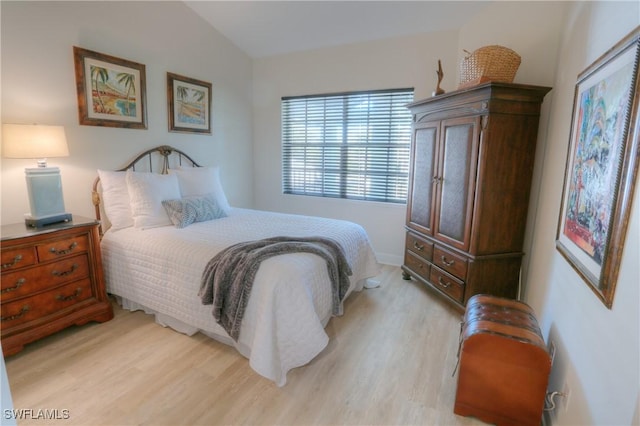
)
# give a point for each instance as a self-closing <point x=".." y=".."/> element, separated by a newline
<point x="111" y="91"/>
<point x="189" y="104"/>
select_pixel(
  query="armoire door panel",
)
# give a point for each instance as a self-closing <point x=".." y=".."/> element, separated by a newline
<point x="420" y="209"/>
<point x="458" y="166"/>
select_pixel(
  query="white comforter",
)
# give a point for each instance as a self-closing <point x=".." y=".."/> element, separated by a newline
<point x="159" y="270"/>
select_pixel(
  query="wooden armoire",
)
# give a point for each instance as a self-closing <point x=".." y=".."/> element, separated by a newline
<point x="472" y="156"/>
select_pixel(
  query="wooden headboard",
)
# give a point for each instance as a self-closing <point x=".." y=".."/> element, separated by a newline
<point x="161" y="157"/>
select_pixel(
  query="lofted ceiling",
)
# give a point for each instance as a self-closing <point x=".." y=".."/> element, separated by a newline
<point x="267" y="28"/>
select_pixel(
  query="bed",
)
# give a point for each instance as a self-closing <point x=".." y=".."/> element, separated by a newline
<point x="153" y="259"/>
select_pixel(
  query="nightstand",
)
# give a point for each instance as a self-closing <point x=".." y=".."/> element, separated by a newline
<point x="51" y="279"/>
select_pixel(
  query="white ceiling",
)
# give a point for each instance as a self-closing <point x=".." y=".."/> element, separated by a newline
<point x="266" y="28"/>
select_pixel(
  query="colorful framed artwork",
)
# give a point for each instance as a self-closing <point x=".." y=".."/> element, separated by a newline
<point x="189" y="104"/>
<point x="111" y="91"/>
<point x="601" y="167"/>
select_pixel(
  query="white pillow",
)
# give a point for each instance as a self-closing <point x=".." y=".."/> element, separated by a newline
<point x="147" y="190"/>
<point x="115" y="197"/>
<point x="195" y="181"/>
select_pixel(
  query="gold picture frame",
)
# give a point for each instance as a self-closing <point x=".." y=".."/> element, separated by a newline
<point x="111" y="91"/>
<point x="601" y="168"/>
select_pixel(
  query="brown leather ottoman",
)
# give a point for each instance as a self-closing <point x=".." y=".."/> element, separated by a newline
<point x="504" y="365"/>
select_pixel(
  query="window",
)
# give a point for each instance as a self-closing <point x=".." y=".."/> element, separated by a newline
<point x="349" y="145"/>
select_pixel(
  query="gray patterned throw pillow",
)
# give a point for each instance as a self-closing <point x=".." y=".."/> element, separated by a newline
<point x="185" y="211"/>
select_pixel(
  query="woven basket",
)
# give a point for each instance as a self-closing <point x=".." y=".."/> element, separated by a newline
<point x="488" y="63"/>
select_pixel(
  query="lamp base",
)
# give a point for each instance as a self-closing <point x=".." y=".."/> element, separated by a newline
<point x="41" y="222"/>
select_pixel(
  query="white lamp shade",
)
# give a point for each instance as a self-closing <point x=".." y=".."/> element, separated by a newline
<point x="33" y="141"/>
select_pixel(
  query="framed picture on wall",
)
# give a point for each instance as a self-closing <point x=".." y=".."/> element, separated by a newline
<point x="189" y="104"/>
<point x="601" y="168"/>
<point x="111" y="91"/>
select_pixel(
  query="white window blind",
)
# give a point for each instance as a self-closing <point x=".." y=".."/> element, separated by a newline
<point x="349" y="145"/>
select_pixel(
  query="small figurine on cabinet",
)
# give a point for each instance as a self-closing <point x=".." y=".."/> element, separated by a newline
<point x="440" y="75"/>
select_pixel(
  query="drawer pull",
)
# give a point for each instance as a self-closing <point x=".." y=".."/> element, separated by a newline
<point x="19" y="284"/>
<point x="16" y="260"/>
<point x="444" y="284"/>
<point x="417" y="246"/>
<point x="64" y="251"/>
<point x="447" y="262"/>
<point x="65" y="273"/>
<point x="71" y="297"/>
<point x="23" y="311"/>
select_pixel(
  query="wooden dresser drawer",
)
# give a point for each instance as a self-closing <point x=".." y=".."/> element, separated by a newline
<point x="447" y="284"/>
<point x="454" y="264"/>
<point x="31" y="308"/>
<point x="40" y="278"/>
<point x="64" y="247"/>
<point x="419" y="246"/>
<point x="18" y="257"/>
<point x="417" y="264"/>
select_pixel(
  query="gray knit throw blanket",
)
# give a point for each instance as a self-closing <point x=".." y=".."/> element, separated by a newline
<point x="228" y="277"/>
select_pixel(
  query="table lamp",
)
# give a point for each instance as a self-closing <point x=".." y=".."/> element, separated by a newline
<point x="43" y="183"/>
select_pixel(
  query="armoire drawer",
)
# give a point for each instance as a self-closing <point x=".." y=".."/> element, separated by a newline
<point x="417" y="264"/>
<point x="447" y="284"/>
<point x="454" y="264"/>
<point x="419" y="246"/>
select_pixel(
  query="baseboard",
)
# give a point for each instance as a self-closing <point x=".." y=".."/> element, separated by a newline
<point x="389" y="259"/>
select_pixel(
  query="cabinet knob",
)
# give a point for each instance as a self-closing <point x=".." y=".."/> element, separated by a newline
<point x="417" y="246"/>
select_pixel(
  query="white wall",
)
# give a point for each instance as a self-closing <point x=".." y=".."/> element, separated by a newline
<point x="531" y="28"/>
<point x="38" y="86"/>
<point x="597" y="353"/>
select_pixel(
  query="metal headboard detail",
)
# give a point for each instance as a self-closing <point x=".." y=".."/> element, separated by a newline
<point x="163" y="150"/>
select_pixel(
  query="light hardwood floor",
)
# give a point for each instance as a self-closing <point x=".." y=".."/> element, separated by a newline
<point x="389" y="361"/>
